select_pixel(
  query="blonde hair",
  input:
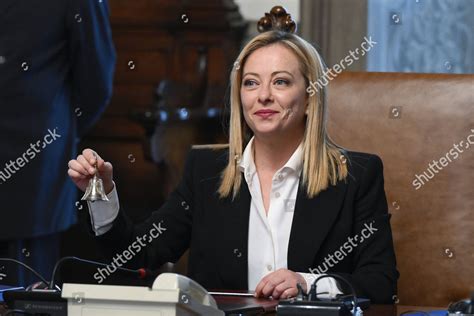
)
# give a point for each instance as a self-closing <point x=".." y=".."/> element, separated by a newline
<point x="324" y="162"/>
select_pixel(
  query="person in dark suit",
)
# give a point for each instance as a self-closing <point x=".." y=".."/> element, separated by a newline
<point x="278" y="206"/>
<point x="56" y="64"/>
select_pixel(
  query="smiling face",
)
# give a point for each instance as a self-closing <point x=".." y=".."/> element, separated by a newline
<point x="273" y="93"/>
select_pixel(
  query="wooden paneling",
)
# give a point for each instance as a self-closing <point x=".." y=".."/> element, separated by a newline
<point x="158" y="40"/>
<point x="140" y="67"/>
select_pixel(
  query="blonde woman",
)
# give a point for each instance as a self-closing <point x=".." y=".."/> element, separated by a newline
<point x="279" y="205"/>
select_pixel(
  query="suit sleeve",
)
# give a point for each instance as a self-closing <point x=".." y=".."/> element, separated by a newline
<point x="163" y="237"/>
<point x="92" y="58"/>
<point x="374" y="273"/>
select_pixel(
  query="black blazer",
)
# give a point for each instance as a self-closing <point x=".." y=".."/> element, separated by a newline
<point x="216" y="230"/>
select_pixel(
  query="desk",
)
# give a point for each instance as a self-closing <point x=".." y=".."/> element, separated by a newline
<point x="374" y="310"/>
<point x="269" y="305"/>
<point x="403" y="308"/>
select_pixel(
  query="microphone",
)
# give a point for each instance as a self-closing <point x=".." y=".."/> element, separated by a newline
<point x="27" y="267"/>
<point x="141" y="273"/>
<point x="146" y="273"/>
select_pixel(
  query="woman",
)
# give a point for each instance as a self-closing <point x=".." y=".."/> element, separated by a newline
<point x="276" y="207"/>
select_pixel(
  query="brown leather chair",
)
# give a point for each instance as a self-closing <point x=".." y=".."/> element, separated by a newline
<point x="409" y="120"/>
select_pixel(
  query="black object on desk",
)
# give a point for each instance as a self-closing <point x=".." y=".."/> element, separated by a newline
<point x="338" y="307"/>
<point x="312" y="308"/>
<point x="37" y="302"/>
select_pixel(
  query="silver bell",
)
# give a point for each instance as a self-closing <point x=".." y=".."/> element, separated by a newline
<point x="95" y="189"/>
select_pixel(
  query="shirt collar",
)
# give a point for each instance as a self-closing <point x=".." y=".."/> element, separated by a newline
<point x="247" y="163"/>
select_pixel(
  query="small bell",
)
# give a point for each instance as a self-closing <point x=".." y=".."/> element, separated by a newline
<point x="95" y="189"/>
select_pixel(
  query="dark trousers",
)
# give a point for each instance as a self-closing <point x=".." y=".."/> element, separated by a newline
<point x="40" y="253"/>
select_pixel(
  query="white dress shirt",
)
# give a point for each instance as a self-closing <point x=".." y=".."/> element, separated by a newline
<point x="269" y="234"/>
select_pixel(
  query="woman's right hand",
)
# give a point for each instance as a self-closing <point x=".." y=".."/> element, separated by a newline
<point x="82" y="169"/>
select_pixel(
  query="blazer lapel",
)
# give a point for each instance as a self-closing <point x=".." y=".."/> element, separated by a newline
<point x="234" y="242"/>
<point x="312" y="220"/>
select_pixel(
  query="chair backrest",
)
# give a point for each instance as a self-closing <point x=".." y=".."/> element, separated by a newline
<point x="422" y="126"/>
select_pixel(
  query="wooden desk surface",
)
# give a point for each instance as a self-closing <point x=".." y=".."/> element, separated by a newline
<point x="374" y="310"/>
<point x="403" y="308"/>
<point x="228" y="302"/>
<point x="269" y="305"/>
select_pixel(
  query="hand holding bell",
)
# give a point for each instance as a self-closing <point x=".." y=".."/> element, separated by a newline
<point x="95" y="189"/>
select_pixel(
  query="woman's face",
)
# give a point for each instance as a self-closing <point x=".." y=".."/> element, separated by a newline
<point x="273" y="93"/>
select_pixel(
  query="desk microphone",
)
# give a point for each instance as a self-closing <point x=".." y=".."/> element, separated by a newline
<point x="312" y="305"/>
<point x="141" y="273"/>
<point x="45" y="298"/>
<point x="27" y="267"/>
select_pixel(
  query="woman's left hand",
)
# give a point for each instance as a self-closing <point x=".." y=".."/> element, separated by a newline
<point x="280" y="284"/>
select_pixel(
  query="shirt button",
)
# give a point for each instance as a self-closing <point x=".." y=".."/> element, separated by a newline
<point x="269" y="267"/>
<point x="290" y="204"/>
<point x="280" y="177"/>
<point x="277" y="194"/>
